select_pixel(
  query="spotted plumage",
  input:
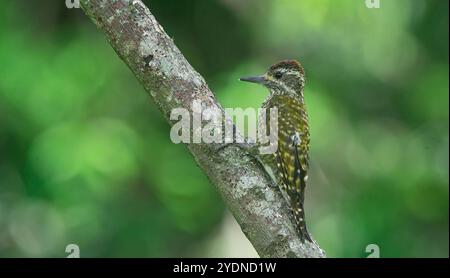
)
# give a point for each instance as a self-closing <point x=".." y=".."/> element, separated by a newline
<point x="289" y="164"/>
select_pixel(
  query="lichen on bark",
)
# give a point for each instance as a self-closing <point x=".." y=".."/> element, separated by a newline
<point x="171" y="82"/>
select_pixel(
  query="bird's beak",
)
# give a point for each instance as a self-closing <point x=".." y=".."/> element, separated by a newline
<point x="254" y="79"/>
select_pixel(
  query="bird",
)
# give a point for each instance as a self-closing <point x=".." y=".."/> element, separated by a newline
<point x="289" y="164"/>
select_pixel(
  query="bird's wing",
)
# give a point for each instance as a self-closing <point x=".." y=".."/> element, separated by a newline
<point x="292" y="164"/>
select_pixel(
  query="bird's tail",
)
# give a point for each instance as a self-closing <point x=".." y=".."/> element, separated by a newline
<point x="299" y="216"/>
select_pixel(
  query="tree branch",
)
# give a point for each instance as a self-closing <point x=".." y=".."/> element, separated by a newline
<point x="157" y="63"/>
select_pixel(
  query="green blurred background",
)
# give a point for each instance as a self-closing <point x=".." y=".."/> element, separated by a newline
<point x="86" y="158"/>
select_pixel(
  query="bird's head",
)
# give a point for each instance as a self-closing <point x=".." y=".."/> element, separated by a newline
<point x="284" y="77"/>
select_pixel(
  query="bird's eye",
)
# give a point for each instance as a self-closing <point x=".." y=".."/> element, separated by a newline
<point x="278" y="75"/>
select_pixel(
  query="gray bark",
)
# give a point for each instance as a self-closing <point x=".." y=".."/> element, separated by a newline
<point x="151" y="54"/>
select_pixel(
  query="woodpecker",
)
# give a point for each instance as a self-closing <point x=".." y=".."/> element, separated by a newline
<point x="289" y="164"/>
